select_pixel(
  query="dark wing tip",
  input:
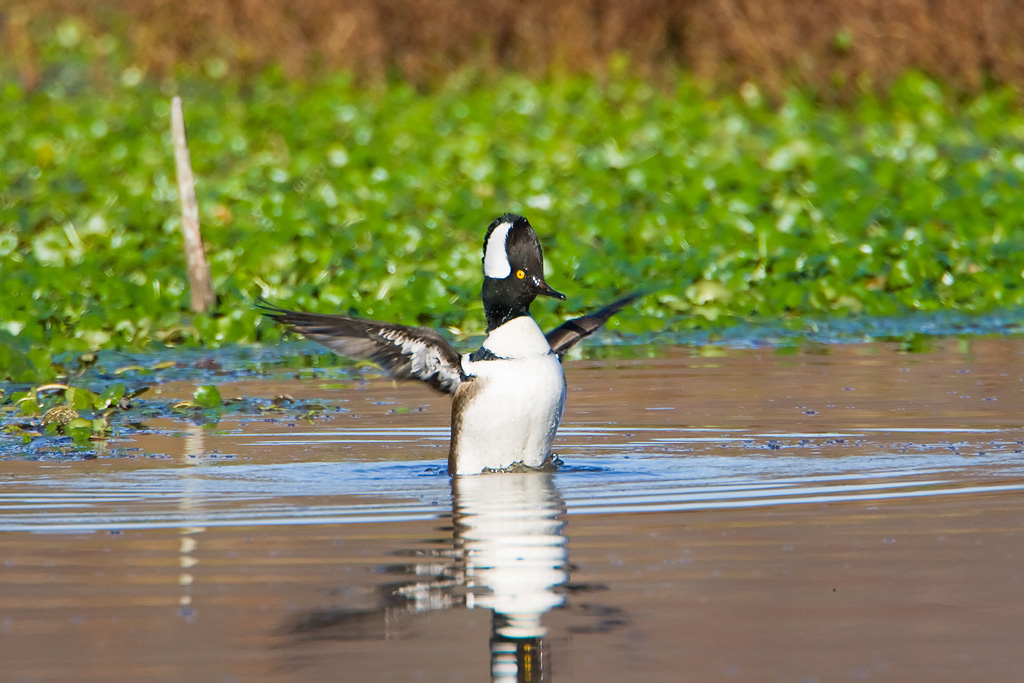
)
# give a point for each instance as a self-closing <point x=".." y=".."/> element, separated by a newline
<point x="270" y="310"/>
<point x="569" y="333"/>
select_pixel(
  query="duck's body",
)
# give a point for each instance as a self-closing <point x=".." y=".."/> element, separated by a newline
<point x="509" y="410"/>
<point x="509" y="395"/>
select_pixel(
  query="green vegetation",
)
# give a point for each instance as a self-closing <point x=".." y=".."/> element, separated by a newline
<point x="72" y="420"/>
<point x="60" y="408"/>
<point x="328" y="196"/>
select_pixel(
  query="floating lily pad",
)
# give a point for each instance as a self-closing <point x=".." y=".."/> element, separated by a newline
<point x="207" y="396"/>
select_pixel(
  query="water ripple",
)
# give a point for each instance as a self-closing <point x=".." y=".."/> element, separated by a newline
<point x="220" y="494"/>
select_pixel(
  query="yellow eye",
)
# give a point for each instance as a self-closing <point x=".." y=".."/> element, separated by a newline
<point x="520" y="274"/>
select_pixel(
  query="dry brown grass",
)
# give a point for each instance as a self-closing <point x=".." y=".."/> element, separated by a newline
<point x="831" y="45"/>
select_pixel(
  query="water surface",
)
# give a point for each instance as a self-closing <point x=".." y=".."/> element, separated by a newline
<point x="847" y="512"/>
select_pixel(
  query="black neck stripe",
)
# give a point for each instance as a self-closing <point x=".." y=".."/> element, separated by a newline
<point x="484" y="354"/>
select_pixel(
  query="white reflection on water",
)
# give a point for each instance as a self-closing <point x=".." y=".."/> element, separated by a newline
<point x="507" y="554"/>
<point x="508" y="527"/>
<point x="509" y="533"/>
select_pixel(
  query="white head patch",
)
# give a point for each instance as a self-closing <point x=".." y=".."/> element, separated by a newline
<point x="496" y="263"/>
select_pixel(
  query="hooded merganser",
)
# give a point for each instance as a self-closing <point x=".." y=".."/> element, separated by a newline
<point x="509" y="393"/>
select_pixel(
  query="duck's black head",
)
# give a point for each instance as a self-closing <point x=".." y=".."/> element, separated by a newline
<point x="513" y="270"/>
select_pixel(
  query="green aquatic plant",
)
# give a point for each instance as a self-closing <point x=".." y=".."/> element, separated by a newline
<point x="207" y="396"/>
<point x="59" y="409"/>
<point x="328" y="196"/>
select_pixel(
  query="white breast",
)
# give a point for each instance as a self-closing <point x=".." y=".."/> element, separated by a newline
<point x="518" y="338"/>
<point x="510" y="408"/>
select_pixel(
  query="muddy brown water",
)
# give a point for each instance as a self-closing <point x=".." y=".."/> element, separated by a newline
<point x="839" y="513"/>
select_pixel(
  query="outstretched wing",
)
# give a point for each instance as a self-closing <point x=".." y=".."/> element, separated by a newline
<point x="403" y="352"/>
<point x="566" y="335"/>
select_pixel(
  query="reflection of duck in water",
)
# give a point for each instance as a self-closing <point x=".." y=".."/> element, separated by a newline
<point x="508" y="555"/>
<point x="509" y="393"/>
<point x="508" y="531"/>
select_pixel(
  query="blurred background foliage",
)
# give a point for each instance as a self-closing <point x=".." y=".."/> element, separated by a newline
<point x="740" y="160"/>
<point x="833" y="47"/>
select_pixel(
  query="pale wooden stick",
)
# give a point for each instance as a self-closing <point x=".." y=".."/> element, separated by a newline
<point x="200" y="284"/>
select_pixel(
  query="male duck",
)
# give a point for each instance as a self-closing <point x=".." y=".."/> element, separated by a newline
<point x="509" y="393"/>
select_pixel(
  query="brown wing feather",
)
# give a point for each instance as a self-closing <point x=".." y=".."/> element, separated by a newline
<point x="403" y="352"/>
